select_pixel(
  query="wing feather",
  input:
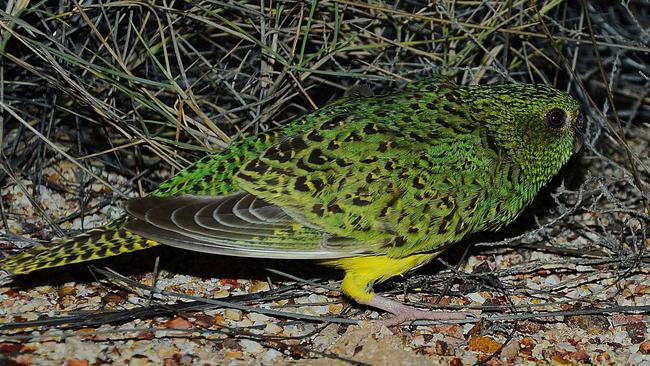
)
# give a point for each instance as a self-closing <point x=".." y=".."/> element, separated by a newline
<point x="238" y="224"/>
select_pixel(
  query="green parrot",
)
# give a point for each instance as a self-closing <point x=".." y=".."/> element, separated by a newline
<point x="373" y="184"/>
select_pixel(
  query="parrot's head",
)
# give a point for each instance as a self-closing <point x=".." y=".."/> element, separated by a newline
<point x="550" y="115"/>
<point x="539" y="126"/>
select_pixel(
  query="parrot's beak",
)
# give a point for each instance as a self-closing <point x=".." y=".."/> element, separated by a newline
<point x="579" y="133"/>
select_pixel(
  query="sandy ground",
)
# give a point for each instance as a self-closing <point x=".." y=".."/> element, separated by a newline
<point x="490" y="283"/>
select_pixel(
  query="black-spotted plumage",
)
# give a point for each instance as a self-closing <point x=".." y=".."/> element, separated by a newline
<point x="373" y="184"/>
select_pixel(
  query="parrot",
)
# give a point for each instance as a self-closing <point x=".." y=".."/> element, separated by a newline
<point x="375" y="185"/>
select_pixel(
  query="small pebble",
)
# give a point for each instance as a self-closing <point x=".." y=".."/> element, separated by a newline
<point x="258" y="318"/>
<point x="233" y="314"/>
<point x="259" y="286"/>
<point x="251" y="346"/>
<point x="273" y="328"/>
<point x="270" y="356"/>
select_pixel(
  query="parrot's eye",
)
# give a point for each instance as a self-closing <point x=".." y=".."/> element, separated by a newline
<point x="555" y="118"/>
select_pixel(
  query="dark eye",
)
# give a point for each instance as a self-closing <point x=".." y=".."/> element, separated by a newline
<point x="555" y="118"/>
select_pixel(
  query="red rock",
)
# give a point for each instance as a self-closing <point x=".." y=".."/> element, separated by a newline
<point x="75" y="362"/>
<point x="456" y="362"/>
<point x="204" y="321"/>
<point x="146" y="335"/>
<point x="528" y="327"/>
<point x="229" y="281"/>
<point x="484" y="344"/>
<point x="178" y="323"/>
<point x="645" y="347"/>
<point x="11" y="293"/>
<point x="451" y="330"/>
<point x="604" y="359"/>
<point x="580" y="356"/>
<point x="8" y="348"/>
<point x="620" y="319"/>
<point x="558" y="359"/>
<point x="526" y="347"/>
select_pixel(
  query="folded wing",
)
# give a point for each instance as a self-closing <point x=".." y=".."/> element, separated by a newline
<point x="238" y="224"/>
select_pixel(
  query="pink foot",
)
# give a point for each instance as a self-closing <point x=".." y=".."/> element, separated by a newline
<point x="404" y="313"/>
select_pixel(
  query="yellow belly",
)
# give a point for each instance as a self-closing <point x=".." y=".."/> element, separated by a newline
<point x="363" y="272"/>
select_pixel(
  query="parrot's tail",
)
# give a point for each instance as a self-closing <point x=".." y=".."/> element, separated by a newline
<point x="104" y="242"/>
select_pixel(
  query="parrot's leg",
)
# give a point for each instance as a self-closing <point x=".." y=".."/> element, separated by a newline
<point x="404" y="313"/>
<point x="362" y="272"/>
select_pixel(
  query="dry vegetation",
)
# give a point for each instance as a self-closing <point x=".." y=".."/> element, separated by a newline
<point x="100" y="100"/>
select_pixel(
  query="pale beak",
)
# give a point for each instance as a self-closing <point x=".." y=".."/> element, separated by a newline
<point x="578" y="135"/>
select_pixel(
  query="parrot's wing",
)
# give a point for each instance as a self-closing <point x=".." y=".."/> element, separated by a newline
<point x="238" y="224"/>
<point x="402" y="176"/>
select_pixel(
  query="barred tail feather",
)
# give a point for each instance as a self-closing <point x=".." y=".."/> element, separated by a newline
<point x="94" y="244"/>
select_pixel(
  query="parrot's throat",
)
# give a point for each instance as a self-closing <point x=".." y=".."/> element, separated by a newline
<point x="539" y="164"/>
